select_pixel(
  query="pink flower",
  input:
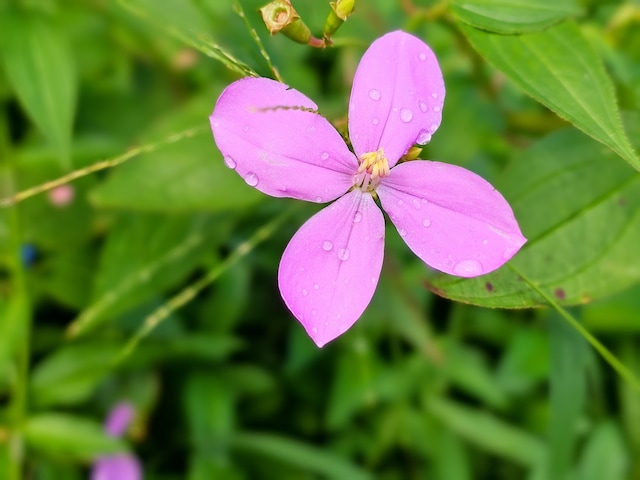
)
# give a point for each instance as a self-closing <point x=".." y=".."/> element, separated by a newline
<point x="451" y="218"/>
<point x="62" y="196"/>
<point x="123" y="466"/>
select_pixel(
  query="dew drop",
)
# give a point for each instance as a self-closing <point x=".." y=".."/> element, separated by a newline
<point x="316" y="286"/>
<point x="374" y="94"/>
<point x="437" y="108"/>
<point x="426" y="223"/>
<point x="251" y="179"/>
<point x="376" y="121"/>
<point x="509" y="252"/>
<point x="324" y="156"/>
<point x="318" y="199"/>
<point x="305" y="292"/>
<point x="484" y="242"/>
<point x="423" y="138"/>
<point x="343" y="254"/>
<point x="423" y="106"/>
<point x="416" y="203"/>
<point x="311" y="130"/>
<point x="314" y="312"/>
<point x="245" y="128"/>
<point x="327" y="246"/>
<point x="229" y="162"/>
<point x="434" y="95"/>
<point x="357" y="217"/>
<point x="422" y="57"/>
<point x="402" y="232"/>
<point x="433" y="127"/>
<point x="314" y="330"/>
<point x="424" y="200"/>
<point x="467" y="268"/>
<point x="400" y="203"/>
<point x="406" y="115"/>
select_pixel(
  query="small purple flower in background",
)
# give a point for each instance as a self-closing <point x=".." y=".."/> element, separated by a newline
<point x="62" y="196"/>
<point x="451" y="218"/>
<point x="123" y="466"/>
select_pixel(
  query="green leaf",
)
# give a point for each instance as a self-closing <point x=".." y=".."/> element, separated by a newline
<point x="188" y="175"/>
<point x="306" y="457"/>
<point x="559" y="69"/>
<point x="604" y="455"/>
<point x="39" y="65"/>
<point x="143" y="255"/>
<point x="69" y="436"/>
<point x="60" y="379"/>
<point x="513" y="16"/>
<point x="489" y="433"/>
<point x="579" y="208"/>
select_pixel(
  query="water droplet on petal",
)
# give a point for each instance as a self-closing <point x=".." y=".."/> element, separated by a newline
<point x="216" y="123"/>
<point x="433" y="127"/>
<point x="423" y="106"/>
<point x="318" y="199"/>
<point x="437" y="108"/>
<point x="416" y="203"/>
<point x="305" y="292"/>
<point x="251" y="179"/>
<point x="229" y="162"/>
<point x="245" y="128"/>
<point x="316" y="286"/>
<point x="311" y="130"/>
<point x="314" y="330"/>
<point x="426" y="222"/>
<point x="434" y="95"/>
<point x="422" y="57"/>
<point x="400" y="203"/>
<point x="324" y="156"/>
<point x="402" y="232"/>
<point x="376" y="121"/>
<point x="343" y="254"/>
<point x="314" y="312"/>
<point x="357" y="217"/>
<point x="423" y="138"/>
<point x="468" y="268"/>
<point x="374" y="94"/>
<point x="327" y="246"/>
<point x="424" y="200"/>
<point x="484" y="242"/>
<point x="406" y="115"/>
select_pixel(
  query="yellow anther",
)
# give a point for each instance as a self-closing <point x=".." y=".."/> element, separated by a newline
<point x="375" y="164"/>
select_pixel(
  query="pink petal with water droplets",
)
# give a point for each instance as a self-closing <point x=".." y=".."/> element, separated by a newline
<point x="330" y="268"/>
<point x="451" y="218"/>
<point x="281" y="150"/>
<point x="397" y="96"/>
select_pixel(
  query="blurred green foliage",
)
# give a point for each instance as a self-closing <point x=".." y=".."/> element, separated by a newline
<point x="154" y="275"/>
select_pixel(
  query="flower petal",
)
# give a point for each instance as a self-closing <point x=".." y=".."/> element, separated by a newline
<point x="331" y="267"/>
<point x="267" y="133"/>
<point x="397" y="96"/>
<point x="119" y="418"/>
<point x="451" y="218"/>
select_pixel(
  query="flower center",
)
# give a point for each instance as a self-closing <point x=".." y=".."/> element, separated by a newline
<point x="373" y="167"/>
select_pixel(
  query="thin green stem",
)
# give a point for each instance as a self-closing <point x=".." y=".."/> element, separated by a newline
<point x="609" y="357"/>
<point x="189" y="293"/>
<point x="96" y="167"/>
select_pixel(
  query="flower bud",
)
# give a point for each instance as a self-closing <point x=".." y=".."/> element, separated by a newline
<point x="411" y="154"/>
<point x="340" y="11"/>
<point x="280" y="16"/>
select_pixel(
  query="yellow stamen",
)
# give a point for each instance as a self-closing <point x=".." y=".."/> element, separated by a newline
<point x="375" y="164"/>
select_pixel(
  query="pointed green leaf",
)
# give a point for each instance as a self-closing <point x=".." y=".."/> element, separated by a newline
<point x="513" y="16"/>
<point x="39" y="65"/>
<point x="559" y="69"/>
<point x="580" y="210"/>
<point x="69" y="436"/>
